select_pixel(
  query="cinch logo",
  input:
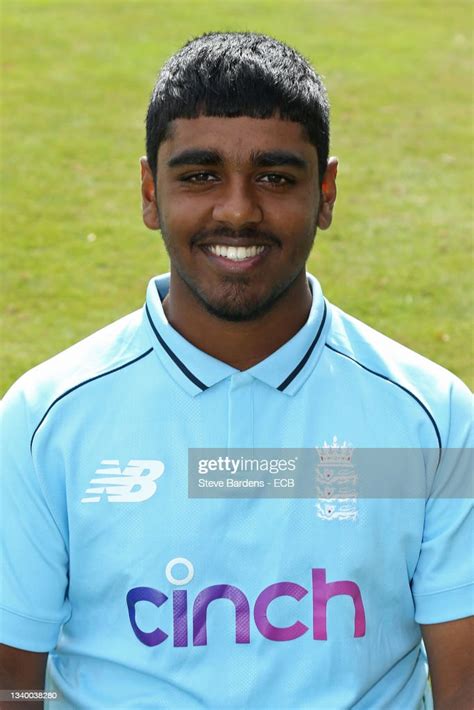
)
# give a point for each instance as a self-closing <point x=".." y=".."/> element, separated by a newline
<point x="134" y="484"/>
<point x="322" y="591"/>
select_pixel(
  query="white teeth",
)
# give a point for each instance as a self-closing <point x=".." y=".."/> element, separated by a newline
<point x="235" y="253"/>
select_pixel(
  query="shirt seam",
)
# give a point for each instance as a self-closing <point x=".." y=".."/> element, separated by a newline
<point x="30" y="618"/>
<point x="397" y="384"/>
<point x="443" y="591"/>
<point x="81" y="384"/>
<point x="43" y="490"/>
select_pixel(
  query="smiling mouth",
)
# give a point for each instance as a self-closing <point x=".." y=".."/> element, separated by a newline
<point x="235" y="253"/>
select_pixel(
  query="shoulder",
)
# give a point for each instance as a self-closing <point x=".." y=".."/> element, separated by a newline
<point x="444" y="397"/>
<point x="110" y="349"/>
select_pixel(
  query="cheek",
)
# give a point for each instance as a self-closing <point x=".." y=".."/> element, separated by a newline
<point x="182" y="219"/>
<point x="171" y="224"/>
<point x="298" y="217"/>
<point x="302" y="229"/>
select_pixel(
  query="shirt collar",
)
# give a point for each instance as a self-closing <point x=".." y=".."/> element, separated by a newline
<point x="284" y="370"/>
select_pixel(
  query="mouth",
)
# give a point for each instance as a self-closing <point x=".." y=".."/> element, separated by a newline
<point x="236" y="258"/>
<point x="234" y="253"/>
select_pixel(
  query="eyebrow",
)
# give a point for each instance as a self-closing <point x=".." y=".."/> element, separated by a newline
<point x="195" y="156"/>
<point x="273" y="158"/>
<point x="259" y="159"/>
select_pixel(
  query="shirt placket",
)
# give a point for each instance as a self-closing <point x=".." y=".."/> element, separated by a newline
<point x="240" y="411"/>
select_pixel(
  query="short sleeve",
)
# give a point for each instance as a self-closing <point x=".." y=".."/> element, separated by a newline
<point x="33" y="550"/>
<point x="443" y="583"/>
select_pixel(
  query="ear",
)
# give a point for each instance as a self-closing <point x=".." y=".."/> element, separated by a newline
<point x="328" y="194"/>
<point x="149" y="207"/>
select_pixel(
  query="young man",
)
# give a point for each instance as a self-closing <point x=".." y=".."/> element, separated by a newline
<point x="144" y="596"/>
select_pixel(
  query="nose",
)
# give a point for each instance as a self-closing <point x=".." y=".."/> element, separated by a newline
<point x="237" y="204"/>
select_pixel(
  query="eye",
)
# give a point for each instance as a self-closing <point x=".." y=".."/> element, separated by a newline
<point x="198" y="178"/>
<point x="276" y="179"/>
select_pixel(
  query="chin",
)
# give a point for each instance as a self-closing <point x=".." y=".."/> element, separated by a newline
<point x="237" y="305"/>
<point x="234" y="314"/>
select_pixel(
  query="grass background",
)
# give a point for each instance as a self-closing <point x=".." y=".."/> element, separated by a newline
<point x="76" y="81"/>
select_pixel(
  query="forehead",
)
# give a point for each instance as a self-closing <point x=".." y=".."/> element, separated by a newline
<point x="237" y="139"/>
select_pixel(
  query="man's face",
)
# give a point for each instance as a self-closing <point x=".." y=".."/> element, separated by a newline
<point x="238" y="203"/>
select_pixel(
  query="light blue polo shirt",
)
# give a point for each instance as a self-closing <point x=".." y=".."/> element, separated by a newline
<point x="148" y="598"/>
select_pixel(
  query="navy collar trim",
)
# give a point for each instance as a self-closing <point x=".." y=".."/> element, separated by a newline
<point x="306" y="356"/>
<point x="175" y="351"/>
<point x="196" y="381"/>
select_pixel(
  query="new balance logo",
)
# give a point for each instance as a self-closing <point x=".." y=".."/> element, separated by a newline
<point x="134" y="484"/>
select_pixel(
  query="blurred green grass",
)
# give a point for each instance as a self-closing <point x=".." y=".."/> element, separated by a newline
<point x="76" y="81"/>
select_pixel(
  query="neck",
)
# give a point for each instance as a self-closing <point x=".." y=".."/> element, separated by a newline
<point x="240" y="344"/>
